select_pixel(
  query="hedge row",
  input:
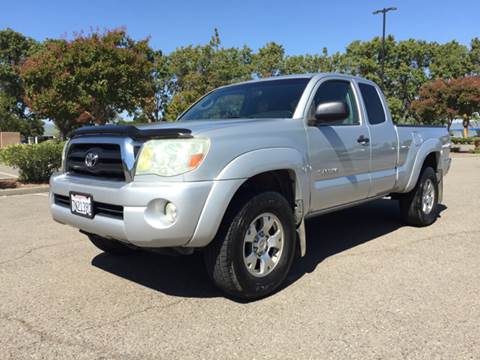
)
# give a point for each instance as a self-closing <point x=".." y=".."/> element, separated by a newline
<point x="465" y="141"/>
<point x="35" y="163"/>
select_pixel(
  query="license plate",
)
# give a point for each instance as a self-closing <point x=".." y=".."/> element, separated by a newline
<point x="81" y="204"/>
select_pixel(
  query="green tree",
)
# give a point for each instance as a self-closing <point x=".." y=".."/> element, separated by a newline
<point x="406" y="73"/>
<point x="450" y="60"/>
<point x="441" y="101"/>
<point x="88" y="80"/>
<point x="156" y="106"/>
<point x="189" y="76"/>
<point x="362" y="58"/>
<point x="467" y="95"/>
<point x="475" y="56"/>
<point x="200" y="69"/>
<point x="408" y="65"/>
<point x="14" y="113"/>
<point x="300" y="64"/>
<point x="436" y="103"/>
<point x="268" y="61"/>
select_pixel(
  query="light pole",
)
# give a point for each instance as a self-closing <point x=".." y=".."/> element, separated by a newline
<point x="383" y="11"/>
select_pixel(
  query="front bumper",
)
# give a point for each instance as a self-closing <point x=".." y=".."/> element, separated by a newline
<point x="143" y="204"/>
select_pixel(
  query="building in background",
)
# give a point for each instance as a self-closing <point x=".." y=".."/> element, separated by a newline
<point x="9" y="138"/>
<point x="50" y="132"/>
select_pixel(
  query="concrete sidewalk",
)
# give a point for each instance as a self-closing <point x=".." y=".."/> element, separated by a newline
<point x="7" y="172"/>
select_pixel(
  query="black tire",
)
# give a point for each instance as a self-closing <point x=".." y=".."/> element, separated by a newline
<point x="411" y="209"/>
<point x="224" y="257"/>
<point x="109" y="246"/>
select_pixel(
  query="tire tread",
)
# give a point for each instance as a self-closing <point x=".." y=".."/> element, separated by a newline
<point x="409" y="202"/>
<point x="219" y="254"/>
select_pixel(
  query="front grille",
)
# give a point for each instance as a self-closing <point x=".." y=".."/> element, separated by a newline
<point x="102" y="209"/>
<point x="108" y="162"/>
<point x="62" y="200"/>
<point x="115" y="211"/>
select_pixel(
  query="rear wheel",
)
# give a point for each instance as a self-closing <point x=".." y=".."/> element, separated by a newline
<point x="112" y="247"/>
<point x="419" y="207"/>
<point x="254" y="249"/>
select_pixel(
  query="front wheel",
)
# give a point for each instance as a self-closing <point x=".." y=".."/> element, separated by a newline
<point x="419" y="207"/>
<point x="254" y="249"/>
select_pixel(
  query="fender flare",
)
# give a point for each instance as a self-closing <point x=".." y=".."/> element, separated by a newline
<point x="234" y="174"/>
<point x="256" y="162"/>
<point x="428" y="147"/>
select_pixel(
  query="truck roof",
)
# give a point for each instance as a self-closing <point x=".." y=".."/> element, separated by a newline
<point x="300" y="76"/>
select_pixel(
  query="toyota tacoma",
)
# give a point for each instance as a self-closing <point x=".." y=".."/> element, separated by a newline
<point x="240" y="170"/>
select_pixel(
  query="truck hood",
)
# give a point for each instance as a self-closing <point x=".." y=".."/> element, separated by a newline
<point x="230" y="139"/>
<point x="210" y="128"/>
<point x="203" y="126"/>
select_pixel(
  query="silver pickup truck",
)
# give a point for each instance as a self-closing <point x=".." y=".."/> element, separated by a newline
<point x="240" y="170"/>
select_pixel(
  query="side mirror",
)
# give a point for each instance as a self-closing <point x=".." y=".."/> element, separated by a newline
<point x="329" y="112"/>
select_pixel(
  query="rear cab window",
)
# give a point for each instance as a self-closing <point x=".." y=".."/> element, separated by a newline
<point x="373" y="104"/>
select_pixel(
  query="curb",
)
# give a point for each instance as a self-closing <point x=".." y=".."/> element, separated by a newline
<point x="463" y="155"/>
<point x="24" y="191"/>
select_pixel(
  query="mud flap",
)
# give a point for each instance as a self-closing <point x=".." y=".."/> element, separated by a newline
<point x="440" y="186"/>
<point x="302" y="238"/>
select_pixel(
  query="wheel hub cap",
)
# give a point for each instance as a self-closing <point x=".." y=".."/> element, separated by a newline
<point x="263" y="244"/>
<point x="428" y="197"/>
<point x="260" y="246"/>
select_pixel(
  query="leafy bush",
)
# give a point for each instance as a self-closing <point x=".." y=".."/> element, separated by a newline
<point x="465" y="141"/>
<point x="35" y="162"/>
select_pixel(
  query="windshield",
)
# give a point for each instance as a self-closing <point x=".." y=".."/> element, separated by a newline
<point x="264" y="99"/>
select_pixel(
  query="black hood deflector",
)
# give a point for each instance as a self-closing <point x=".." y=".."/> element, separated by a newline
<point x="132" y="132"/>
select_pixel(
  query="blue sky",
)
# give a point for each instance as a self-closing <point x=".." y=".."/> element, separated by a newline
<point x="302" y="26"/>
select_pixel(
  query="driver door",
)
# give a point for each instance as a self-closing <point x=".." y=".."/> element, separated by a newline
<point x="339" y="151"/>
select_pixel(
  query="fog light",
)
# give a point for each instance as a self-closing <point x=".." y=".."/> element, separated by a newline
<point x="171" y="212"/>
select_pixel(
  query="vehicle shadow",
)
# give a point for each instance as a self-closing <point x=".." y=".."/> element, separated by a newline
<point x="327" y="235"/>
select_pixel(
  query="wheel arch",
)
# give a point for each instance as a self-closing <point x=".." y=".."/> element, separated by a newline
<point x="277" y="169"/>
<point x="427" y="155"/>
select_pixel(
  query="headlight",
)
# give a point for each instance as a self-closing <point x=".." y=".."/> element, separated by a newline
<point x="171" y="157"/>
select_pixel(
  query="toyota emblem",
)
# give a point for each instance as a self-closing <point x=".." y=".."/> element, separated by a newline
<point x="91" y="159"/>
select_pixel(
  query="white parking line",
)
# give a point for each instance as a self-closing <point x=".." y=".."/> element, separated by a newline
<point x="465" y="157"/>
<point x="22" y="195"/>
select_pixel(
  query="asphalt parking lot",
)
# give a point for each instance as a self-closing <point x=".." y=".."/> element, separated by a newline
<point x="368" y="288"/>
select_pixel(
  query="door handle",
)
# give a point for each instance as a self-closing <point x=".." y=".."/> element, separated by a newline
<point x="363" y="140"/>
